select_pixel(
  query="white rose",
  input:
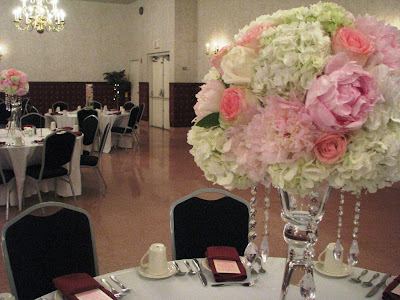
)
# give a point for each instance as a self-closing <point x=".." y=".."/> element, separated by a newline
<point x="237" y="65"/>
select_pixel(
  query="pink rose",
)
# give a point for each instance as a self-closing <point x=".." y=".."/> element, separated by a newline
<point x="238" y="105"/>
<point x="330" y="147"/>
<point x="208" y="99"/>
<point x="355" y="44"/>
<point x="340" y="100"/>
<point x="250" y="38"/>
<point x="217" y="59"/>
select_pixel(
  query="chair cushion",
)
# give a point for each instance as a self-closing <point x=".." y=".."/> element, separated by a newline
<point x="89" y="160"/>
<point x="8" y="174"/>
<point x="34" y="171"/>
<point x="121" y="130"/>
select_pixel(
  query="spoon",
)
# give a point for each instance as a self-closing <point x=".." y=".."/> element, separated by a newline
<point x="369" y="283"/>
<point x="249" y="283"/>
<point x="191" y="272"/>
<point x="179" y="272"/>
<point x="122" y="286"/>
<point x="358" y="280"/>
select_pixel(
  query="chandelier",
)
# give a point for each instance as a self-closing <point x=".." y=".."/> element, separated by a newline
<point x="38" y="15"/>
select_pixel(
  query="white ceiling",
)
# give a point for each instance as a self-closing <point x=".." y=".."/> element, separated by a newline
<point x="112" y="1"/>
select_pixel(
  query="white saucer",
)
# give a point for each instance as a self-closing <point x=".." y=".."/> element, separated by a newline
<point x="346" y="270"/>
<point x="171" y="271"/>
<point x="207" y="266"/>
<point x="390" y="279"/>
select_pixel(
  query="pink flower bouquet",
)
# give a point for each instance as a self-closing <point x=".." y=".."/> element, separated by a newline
<point x="303" y="96"/>
<point x="13" y="82"/>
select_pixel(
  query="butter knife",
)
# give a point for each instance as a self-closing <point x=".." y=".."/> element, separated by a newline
<point x="202" y="277"/>
<point x="376" y="288"/>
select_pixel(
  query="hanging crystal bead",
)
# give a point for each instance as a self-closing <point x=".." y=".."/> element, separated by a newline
<point x="251" y="252"/>
<point x="354" y="253"/>
<point x="264" y="249"/>
<point x="337" y="250"/>
<point x="307" y="286"/>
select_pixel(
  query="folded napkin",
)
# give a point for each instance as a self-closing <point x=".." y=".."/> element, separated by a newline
<point x="78" y="133"/>
<point x="67" y="128"/>
<point x="28" y="126"/>
<point x="227" y="255"/>
<point x="54" y="113"/>
<point x="117" y="113"/>
<point x="75" y="283"/>
<point x="38" y="141"/>
<point x="387" y="293"/>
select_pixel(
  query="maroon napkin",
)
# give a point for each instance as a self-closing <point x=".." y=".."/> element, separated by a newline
<point x="117" y="113"/>
<point x="225" y="253"/>
<point x="39" y="141"/>
<point x="28" y="126"/>
<point x="75" y="283"/>
<point x="387" y="293"/>
<point x="2" y="143"/>
<point x="78" y="133"/>
<point x="67" y="128"/>
<point x="54" y="113"/>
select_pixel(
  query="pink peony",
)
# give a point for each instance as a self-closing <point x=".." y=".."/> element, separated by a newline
<point x="217" y="59"/>
<point x="386" y="39"/>
<point x="250" y="38"/>
<point x="330" y="147"/>
<point x="355" y="44"/>
<point x="340" y="100"/>
<point x="238" y="105"/>
<point x="208" y="99"/>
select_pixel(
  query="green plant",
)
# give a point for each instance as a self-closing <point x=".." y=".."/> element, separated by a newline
<point x="119" y="81"/>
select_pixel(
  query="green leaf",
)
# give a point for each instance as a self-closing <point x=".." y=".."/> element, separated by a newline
<point x="209" y="121"/>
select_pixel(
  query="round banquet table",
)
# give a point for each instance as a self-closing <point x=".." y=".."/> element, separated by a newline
<point x="267" y="287"/>
<point x="63" y="119"/>
<point x="18" y="158"/>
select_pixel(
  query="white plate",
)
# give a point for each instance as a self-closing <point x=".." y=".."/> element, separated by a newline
<point x="346" y="271"/>
<point x="390" y="279"/>
<point x="207" y="266"/>
<point x="171" y="271"/>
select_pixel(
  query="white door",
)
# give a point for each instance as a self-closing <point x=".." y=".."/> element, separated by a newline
<point x="134" y="79"/>
<point x="159" y="92"/>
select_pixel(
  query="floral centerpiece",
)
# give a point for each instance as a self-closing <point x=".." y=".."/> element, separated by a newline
<point x="13" y="82"/>
<point x="303" y="96"/>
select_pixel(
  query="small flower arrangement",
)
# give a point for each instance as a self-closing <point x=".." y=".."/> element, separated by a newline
<point x="13" y="82"/>
<point x="303" y="96"/>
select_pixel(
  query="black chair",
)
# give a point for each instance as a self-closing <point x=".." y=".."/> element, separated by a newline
<point x="35" y="119"/>
<point x="25" y="104"/>
<point x="4" y="114"/>
<point x="97" y="105"/>
<point x="197" y="223"/>
<point x="5" y="178"/>
<point x="31" y="109"/>
<point x="128" y="105"/>
<point x="136" y="128"/>
<point x="38" y="248"/>
<point x="129" y="129"/>
<point x="61" y="104"/>
<point x="89" y="129"/>
<point x="83" y="113"/>
<point x="58" y="150"/>
<point x="91" y="161"/>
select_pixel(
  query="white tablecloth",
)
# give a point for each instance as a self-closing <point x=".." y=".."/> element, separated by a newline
<point x="18" y="158"/>
<point x="268" y="286"/>
<point x="63" y="119"/>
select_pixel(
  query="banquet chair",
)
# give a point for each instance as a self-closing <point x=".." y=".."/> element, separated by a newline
<point x="57" y="151"/>
<point x="35" y="119"/>
<point x="129" y="129"/>
<point x="38" y="247"/>
<point x="25" y="104"/>
<point x="31" y="109"/>
<point x="197" y="223"/>
<point x="136" y="128"/>
<point x="91" y="161"/>
<point x="61" y="104"/>
<point x="96" y="105"/>
<point x="128" y="105"/>
<point x="83" y="113"/>
<point x="4" y="114"/>
<point x="5" y="177"/>
<point x="90" y="126"/>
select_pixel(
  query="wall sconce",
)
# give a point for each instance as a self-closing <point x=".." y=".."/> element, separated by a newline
<point x="211" y="51"/>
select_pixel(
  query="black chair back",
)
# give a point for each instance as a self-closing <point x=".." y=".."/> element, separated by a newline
<point x="83" y="114"/>
<point x="25" y="103"/>
<point x="58" y="149"/>
<point x="97" y="105"/>
<point x="197" y="224"/>
<point x="89" y="129"/>
<point x="61" y="104"/>
<point x="128" y="105"/>
<point x="38" y="248"/>
<point x="35" y="119"/>
<point x="104" y="138"/>
<point x="134" y="115"/>
<point x="141" y="109"/>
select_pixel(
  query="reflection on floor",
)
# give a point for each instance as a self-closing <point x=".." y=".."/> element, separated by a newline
<point x="142" y="186"/>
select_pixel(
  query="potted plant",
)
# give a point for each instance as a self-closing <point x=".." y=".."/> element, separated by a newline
<point x="120" y="83"/>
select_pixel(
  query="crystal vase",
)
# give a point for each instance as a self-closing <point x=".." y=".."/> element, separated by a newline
<point x="302" y="215"/>
<point x="13" y="104"/>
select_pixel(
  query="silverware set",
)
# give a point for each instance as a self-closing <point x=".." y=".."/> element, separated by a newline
<point x="113" y="290"/>
<point x="369" y="283"/>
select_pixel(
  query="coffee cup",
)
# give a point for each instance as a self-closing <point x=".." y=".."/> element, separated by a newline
<point x="157" y="259"/>
<point x="58" y="109"/>
<point x="79" y="107"/>
<point x="121" y="108"/>
<point x="329" y="263"/>
<point x="75" y="128"/>
<point x="18" y="141"/>
<point x="50" y="110"/>
<point x="53" y="125"/>
<point x="105" y="108"/>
